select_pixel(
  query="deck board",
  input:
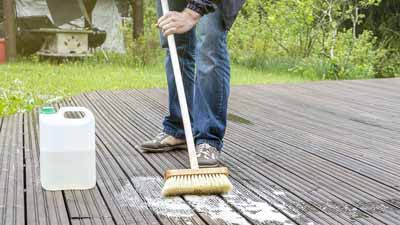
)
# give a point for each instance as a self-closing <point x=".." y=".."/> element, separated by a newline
<point x="11" y="171"/>
<point x="312" y="153"/>
<point x="246" y="155"/>
<point x="234" y="167"/>
<point x="144" y="123"/>
<point x="43" y="208"/>
<point x="119" y="126"/>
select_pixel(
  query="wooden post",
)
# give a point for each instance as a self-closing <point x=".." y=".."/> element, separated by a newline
<point x="138" y="23"/>
<point x="10" y="28"/>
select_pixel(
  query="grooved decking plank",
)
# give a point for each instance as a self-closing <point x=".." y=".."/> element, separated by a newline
<point x="161" y="95"/>
<point x="255" y="161"/>
<point x="369" y="155"/>
<point x="324" y="101"/>
<point x="234" y="168"/>
<point x="154" y="177"/>
<point x="351" y="100"/>
<point x="89" y="209"/>
<point x="137" y="174"/>
<point x="393" y="194"/>
<point x="164" y="157"/>
<point x="338" y="126"/>
<point x="312" y="153"/>
<point x="287" y="123"/>
<point x="326" y="132"/>
<point x="338" y="181"/>
<point x="368" y="107"/>
<point x="367" y="93"/>
<point x="111" y="182"/>
<point x="311" y="134"/>
<point x="42" y="207"/>
<point x="384" y="88"/>
<point x="11" y="172"/>
<point x="153" y="127"/>
<point x="88" y="206"/>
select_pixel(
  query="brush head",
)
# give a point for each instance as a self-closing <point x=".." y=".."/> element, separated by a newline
<point x="197" y="182"/>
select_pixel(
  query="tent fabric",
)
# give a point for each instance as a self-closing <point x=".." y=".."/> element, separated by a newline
<point x="63" y="11"/>
<point x="105" y="16"/>
<point x="32" y="8"/>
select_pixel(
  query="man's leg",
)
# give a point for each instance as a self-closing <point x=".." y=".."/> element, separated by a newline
<point x="186" y="51"/>
<point x="173" y="134"/>
<point x="212" y="81"/>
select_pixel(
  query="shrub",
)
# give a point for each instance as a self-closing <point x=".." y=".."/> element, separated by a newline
<point x="144" y="50"/>
<point x="305" y="37"/>
<point x="355" y="58"/>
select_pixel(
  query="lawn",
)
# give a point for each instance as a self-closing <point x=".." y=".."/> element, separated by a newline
<point x="26" y="84"/>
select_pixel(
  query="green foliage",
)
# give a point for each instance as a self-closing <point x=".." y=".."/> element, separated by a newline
<point x="320" y="38"/>
<point x="29" y="83"/>
<point x="144" y="50"/>
<point x="13" y="99"/>
<point x="383" y="20"/>
<point x="389" y="64"/>
<point x="314" y="38"/>
<point x="280" y="41"/>
<point x="355" y="59"/>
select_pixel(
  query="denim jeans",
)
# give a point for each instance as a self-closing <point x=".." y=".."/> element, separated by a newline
<point x="205" y="67"/>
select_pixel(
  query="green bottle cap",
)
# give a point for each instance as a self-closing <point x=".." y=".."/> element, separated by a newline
<point x="47" y="110"/>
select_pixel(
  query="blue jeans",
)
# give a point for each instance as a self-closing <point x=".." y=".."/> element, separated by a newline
<point x="205" y="65"/>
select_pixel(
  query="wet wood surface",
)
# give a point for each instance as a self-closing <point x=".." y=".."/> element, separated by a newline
<point x="313" y="153"/>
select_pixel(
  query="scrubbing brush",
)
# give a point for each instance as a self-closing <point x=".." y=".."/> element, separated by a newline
<point x="197" y="181"/>
<point x="193" y="181"/>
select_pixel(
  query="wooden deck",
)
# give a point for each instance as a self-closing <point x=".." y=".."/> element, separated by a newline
<point x="317" y="153"/>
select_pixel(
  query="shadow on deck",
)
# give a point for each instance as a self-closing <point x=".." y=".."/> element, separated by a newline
<point x="316" y="153"/>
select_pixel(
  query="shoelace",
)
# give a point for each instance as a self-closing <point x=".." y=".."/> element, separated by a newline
<point x="205" y="151"/>
<point x="160" y="137"/>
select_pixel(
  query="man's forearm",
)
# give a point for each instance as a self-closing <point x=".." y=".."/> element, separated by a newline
<point x="201" y="6"/>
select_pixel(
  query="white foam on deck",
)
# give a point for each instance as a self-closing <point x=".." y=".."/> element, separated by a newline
<point x="256" y="210"/>
<point x="149" y="189"/>
<point x="214" y="207"/>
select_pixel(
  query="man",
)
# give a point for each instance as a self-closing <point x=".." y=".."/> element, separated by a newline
<point x="201" y="28"/>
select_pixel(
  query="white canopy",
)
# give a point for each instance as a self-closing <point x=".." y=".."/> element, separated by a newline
<point x="105" y="16"/>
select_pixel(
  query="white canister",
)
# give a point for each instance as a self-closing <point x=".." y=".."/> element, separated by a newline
<point x="67" y="149"/>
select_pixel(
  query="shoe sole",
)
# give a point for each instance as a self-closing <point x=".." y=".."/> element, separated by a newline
<point x="208" y="166"/>
<point x="172" y="148"/>
<point x="165" y="149"/>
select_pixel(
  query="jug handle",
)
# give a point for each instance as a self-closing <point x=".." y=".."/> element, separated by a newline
<point x="88" y="115"/>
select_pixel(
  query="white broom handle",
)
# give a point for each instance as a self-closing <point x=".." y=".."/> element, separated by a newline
<point x="181" y="94"/>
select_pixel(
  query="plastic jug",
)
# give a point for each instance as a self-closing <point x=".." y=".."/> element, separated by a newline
<point x="67" y="149"/>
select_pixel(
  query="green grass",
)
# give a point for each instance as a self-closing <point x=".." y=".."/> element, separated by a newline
<point x="27" y="83"/>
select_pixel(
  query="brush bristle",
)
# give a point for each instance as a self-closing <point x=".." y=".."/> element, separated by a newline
<point x="197" y="185"/>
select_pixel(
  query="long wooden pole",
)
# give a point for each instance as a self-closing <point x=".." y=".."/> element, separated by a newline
<point x="181" y="95"/>
<point x="10" y="28"/>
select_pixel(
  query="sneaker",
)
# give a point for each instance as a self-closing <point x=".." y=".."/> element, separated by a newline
<point x="207" y="155"/>
<point x="162" y="143"/>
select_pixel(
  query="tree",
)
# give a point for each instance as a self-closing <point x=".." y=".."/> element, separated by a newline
<point x="10" y="28"/>
<point x="138" y="17"/>
<point x="383" y="20"/>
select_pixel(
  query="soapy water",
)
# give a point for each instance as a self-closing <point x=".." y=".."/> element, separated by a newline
<point x="149" y="189"/>
<point x="256" y="210"/>
<point x="68" y="170"/>
<point x="146" y="193"/>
